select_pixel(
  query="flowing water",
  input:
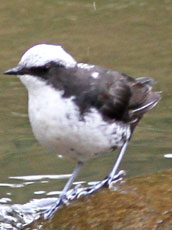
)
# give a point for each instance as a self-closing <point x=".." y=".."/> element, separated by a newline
<point x="132" y="36"/>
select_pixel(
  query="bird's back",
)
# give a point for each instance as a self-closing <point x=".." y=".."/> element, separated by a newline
<point x="116" y="96"/>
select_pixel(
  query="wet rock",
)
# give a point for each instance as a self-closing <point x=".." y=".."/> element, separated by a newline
<point x="140" y="203"/>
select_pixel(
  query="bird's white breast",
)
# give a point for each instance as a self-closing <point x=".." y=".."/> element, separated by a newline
<point x="58" y="126"/>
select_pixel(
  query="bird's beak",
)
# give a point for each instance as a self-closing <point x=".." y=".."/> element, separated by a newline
<point x="14" y="71"/>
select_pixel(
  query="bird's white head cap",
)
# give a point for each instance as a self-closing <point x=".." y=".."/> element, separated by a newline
<point x="41" y="54"/>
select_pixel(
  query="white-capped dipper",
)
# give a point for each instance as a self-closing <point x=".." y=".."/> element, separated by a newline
<point x="80" y="110"/>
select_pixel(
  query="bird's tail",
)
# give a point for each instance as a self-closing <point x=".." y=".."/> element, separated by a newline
<point x="143" y="99"/>
<point x="150" y="102"/>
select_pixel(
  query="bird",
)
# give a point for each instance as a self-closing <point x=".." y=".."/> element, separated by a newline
<point x="81" y="110"/>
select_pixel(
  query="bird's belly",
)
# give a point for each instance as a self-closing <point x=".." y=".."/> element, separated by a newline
<point x="58" y="126"/>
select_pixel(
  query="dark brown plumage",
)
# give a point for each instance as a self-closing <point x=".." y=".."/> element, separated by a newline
<point x="117" y="96"/>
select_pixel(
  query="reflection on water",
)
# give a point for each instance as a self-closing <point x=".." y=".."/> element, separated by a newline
<point x="169" y="155"/>
<point x="40" y="177"/>
<point x="25" y="181"/>
<point x="20" y="215"/>
<point x="17" y="216"/>
<point x="129" y="36"/>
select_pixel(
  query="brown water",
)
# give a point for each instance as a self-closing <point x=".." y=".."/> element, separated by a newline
<point x="132" y="36"/>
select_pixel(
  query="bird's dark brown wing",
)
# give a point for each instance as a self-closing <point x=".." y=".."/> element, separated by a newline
<point x="115" y="101"/>
<point x="110" y="93"/>
<point x="125" y="98"/>
<point x="116" y="96"/>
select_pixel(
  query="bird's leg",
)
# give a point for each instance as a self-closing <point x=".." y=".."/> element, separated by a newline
<point x="49" y="213"/>
<point x="112" y="177"/>
<point x="76" y="193"/>
<point x="113" y="173"/>
<point x="71" y="180"/>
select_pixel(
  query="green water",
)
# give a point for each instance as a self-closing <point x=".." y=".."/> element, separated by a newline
<point x="131" y="36"/>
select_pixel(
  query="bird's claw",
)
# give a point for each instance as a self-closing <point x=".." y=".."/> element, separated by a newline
<point x="48" y="214"/>
<point x="108" y="182"/>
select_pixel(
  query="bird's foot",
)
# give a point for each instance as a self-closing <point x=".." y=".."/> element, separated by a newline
<point x="113" y="180"/>
<point x="108" y="182"/>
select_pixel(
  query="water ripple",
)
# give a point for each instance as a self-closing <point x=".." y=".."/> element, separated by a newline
<point x="40" y="177"/>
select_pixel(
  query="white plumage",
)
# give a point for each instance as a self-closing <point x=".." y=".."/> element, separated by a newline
<point x="42" y="54"/>
<point x="57" y="125"/>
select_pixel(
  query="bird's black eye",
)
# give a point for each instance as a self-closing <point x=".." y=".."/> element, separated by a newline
<point x="45" y="70"/>
<point x="40" y="70"/>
